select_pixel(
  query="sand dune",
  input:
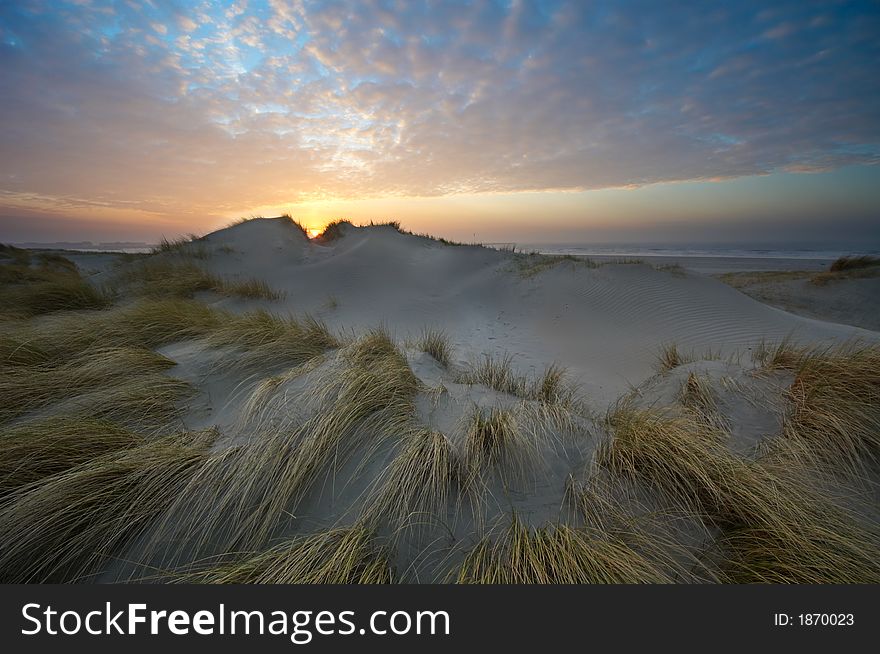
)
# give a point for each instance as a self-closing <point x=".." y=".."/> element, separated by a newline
<point x="382" y="406"/>
<point x="605" y="323"/>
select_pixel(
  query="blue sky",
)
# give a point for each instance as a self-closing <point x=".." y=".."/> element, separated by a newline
<point x="127" y="119"/>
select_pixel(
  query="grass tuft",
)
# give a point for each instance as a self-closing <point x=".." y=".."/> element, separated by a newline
<point x="775" y="523"/>
<point x="336" y="556"/>
<point x="854" y="263"/>
<point x="54" y="285"/>
<point x="333" y="231"/>
<point x="669" y="357"/>
<point x="42" y="448"/>
<point x="436" y="343"/>
<point x="68" y="526"/>
<point x="555" y="554"/>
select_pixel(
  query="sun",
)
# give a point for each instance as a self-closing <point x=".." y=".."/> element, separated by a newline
<point x="313" y="232"/>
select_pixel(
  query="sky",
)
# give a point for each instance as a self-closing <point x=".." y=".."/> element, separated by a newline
<point x="500" y="120"/>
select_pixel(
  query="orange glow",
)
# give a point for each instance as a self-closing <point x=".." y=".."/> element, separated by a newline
<point x="314" y="232"/>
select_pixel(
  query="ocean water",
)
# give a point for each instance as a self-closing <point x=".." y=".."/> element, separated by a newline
<point x="739" y="252"/>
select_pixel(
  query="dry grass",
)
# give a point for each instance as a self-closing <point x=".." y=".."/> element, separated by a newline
<point x="92" y="471"/>
<point x="743" y="280"/>
<point x="39" y="449"/>
<point x="698" y="395"/>
<point x="333" y="231"/>
<point x="835" y="405"/>
<point x="52" y="285"/>
<point x="498" y="374"/>
<point x="252" y="289"/>
<point x="67" y="527"/>
<point x="244" y="496"/>
<point x="776" y="524"/>
<point x="854" y="263"/>
<point x="108" y="382"/>
<point x="555" y="554"/>
<point x="61" y="337"/>
<point x="436" y="343"/>
<point x="843" y="268"/>
<point x="532" y="264"/>
<point x="670" y="357"/>
<point x="336" y="556"/>
<point x="267" y="340"/>
<point x="493" y="439"/>
<point x="419" y="483"/>
<point x="163" y="277"/>
<point x="174" y="246"/>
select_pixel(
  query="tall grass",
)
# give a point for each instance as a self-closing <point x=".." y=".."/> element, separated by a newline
<point x="336" y="556"/>
<point x="555" y="554"/>
<point x="698" y="395"/>
<point x="167" y="278"/>
<point x="436" y="343"/>
<point x="835" y="405"/>
<point x="27" y="290"/>
<point x="67" y="527"/>
<point x="101" y="381"/>
<point x="498" y="373"/>
<point x="333" y="231"/>
<point x="265" y="339"/>
<point x="42" y="448"/>
<point x="244" y="496"/>
<point x="669" y="357"/>
<point x="147" y="323"/>
<point x="776" y="523"/>
<point x="494" y="439"/>
<point x="419" y="483"/>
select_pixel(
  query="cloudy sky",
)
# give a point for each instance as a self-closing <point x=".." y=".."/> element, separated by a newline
<point x="509" y="119"/>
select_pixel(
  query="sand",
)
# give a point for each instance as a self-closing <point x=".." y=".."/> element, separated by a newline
<point x="605" y="324"/>
<point x="854" y="301"/>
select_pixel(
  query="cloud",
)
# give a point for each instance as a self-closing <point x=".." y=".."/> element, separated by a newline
<point x="276" y="102"/>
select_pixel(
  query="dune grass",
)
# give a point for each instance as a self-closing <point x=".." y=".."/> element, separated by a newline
<point x="418" y="484"/>
<point x="533" y="264"/>
<point x="698" y="395"/>
<point x="337" y="556"/>
<point x="175" y="245"/>
<point x="333" y="231"/>
<point x="111" y="381"/>
<point x="67" y="527"/>
<point x="243" y="497"/>
<point x="854" y="263"/>
<point x="498" y="373"/>
<point x="436" y="343"/>
<point x="669" y="357"/>
<point x="265" y="339"/>
<point x="835" y="404"/>
<point x="54" y="284"/>
<point x="493" y="439"/>
<point x="95" y="470"/>
<point x="776" y="524"/>
<point x="555" y="554"/>
<point x="146" y="323"/>
<point x="42" y="448"/>
<point x="253" y="289"/>
<point x="163" y="277"/>
<point x="834" y="400"/>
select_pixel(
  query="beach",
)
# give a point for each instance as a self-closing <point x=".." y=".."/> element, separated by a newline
<point x="374" y="405"/>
